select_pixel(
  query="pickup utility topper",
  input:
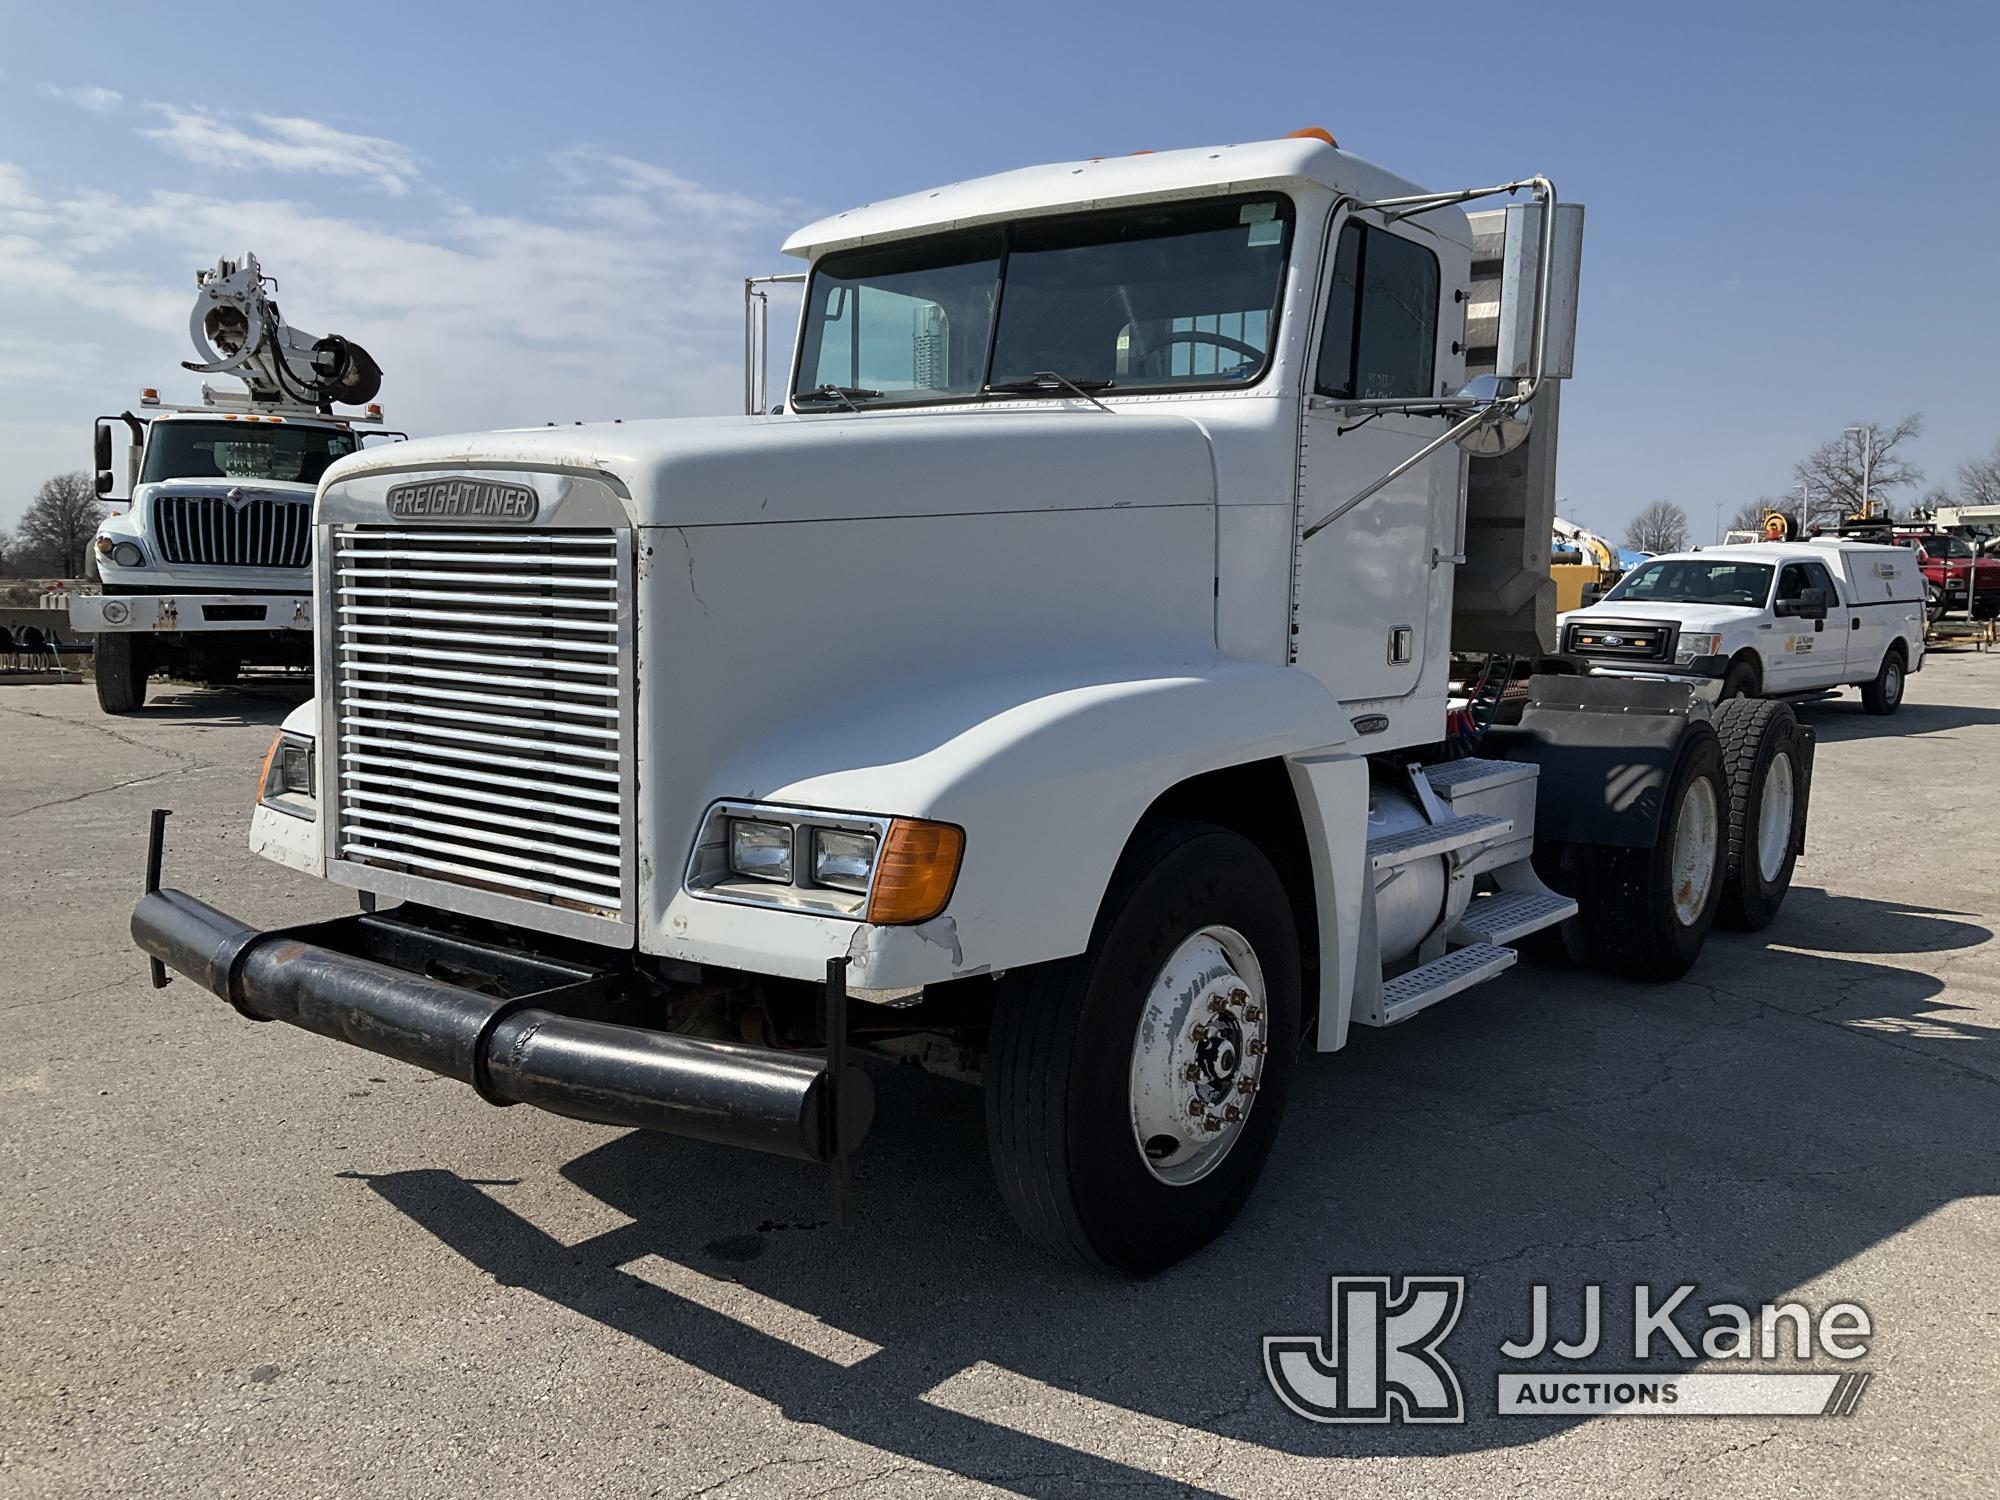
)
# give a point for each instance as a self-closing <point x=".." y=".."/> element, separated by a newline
<point x="1053" y="691"/>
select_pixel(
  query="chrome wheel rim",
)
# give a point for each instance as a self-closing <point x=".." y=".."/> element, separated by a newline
<point x="1774" y="816"/>
<point x="1198" y="1055"/>
<point x="1695" y="835"/>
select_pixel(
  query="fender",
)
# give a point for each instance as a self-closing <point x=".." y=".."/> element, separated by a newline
<point x="1048" y="771"/>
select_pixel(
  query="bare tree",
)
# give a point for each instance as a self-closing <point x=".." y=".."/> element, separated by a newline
<point x="1833" y="471"/>
<point x="1661" y="527"/>
<point x="58" y="525"/>
<point x="1979" y="480"/>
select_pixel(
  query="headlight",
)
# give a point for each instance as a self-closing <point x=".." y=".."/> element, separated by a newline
<point x="762" y="851"/>
<point x="842" y="859"/>
<point x="128" y="555"/>
<point x="1692" y="646"/>
<point x="287" y="782"/>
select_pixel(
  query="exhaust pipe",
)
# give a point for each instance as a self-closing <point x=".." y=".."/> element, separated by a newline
<point x="515" y="1051"/>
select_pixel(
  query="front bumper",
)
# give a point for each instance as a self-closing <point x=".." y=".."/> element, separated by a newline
<point x="1701" y="669"/>
<point x="525" y="1029"/>
<point x="180" y="613"/>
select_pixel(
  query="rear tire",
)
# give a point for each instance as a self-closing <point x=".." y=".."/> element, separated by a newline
<point x="1885" y="694"/>
<point x="1086" y="1053"/>
<point x="1646" y="912"/>
<point x="120" y="669"/>
<point x="1763" y="765"/>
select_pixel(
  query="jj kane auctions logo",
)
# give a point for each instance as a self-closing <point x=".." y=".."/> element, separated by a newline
<point x="1382" y="1358"/>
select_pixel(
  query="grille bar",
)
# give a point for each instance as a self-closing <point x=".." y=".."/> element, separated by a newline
<point x="257" y="531"/>
<point x="481" y="712"/>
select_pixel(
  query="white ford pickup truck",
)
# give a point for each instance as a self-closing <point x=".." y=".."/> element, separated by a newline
<point x="1771" y="619"/>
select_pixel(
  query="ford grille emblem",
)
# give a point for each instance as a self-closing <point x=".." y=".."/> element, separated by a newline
<point x="461" y="499"/>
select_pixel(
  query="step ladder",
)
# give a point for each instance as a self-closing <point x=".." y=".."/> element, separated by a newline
<point x="1472" y="807"/>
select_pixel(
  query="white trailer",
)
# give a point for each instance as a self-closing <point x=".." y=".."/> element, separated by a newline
<point x="1089" y="679"/>
<point x="205" y="561"/>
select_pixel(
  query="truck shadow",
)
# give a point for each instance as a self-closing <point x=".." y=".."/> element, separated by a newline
<point x="252" y="701"/>
<point x="1746" y="1129"/>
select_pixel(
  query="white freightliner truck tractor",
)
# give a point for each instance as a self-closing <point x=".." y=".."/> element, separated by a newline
<point x="1054" y="690"/>
<point x="206" y="568"/>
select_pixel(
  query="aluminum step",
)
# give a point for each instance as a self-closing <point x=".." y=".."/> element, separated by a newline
<point x="1475" y="773"/>
<point x="1442" y="978"/>
<point x="1508" y="916"/>
<point x="1435" y="838"/>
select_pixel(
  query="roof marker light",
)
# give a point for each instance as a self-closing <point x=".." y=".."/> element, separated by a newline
<point x="1313" y="133"/>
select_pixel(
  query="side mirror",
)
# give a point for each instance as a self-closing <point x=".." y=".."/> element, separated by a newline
<point x="1810" y="605"/>
<point x="101" y="451"/>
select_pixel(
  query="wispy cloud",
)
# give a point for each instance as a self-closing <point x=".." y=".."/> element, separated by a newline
<point x="284" y="143"/>
<point x="614" y="289"/>
<point x="86" y="96"/>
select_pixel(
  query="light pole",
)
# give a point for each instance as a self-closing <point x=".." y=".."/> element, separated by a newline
<point x="1805" y="507"/>
<point x="1867" y="466"/>
<point x="1718" y="523"/>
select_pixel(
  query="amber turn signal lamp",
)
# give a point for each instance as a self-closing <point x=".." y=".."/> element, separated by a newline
<point x="915" y="872"/>
<point x="264" y="771"/>
<point x="1313" y="133"/>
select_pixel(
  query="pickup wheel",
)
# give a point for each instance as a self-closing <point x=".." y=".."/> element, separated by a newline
<point x="1761" y="762"/>
<point x="120" y="669"/>
<point x="1885" y="694"/>
<point x="1645" y="913"/>
<point x="1132" y="1094"/>
<point x="1741" y="680"/>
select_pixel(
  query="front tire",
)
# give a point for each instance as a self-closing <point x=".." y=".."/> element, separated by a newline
<point x="120" y="670"/>
<point x="1645" y="913"/>
<point x="1885" y="694"/>
<point x="1764" y="767"/>
<point x="1741" y="681"/>
<point x="1190" y="988"/>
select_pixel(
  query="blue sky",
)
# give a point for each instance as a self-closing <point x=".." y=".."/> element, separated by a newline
<point x="533" y="212"/>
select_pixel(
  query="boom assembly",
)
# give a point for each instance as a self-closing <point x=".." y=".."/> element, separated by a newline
<point x="1121" y="664"/>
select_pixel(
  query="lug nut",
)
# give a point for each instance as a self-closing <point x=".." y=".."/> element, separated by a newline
<point x="1216" y="1005"/>
<point x="1232" y="1114"/>
<point x="1192" y="1072"/>
<point x="1198" y="1035"/>
<point x="1255" y="1046"/>
<point x="1196" y="1107"/>
<point x="1246" y="1085"/>
<point x="1253" y="1013"/>
<point x="1237" y="997"/>
<point x="1211" y="1124"/>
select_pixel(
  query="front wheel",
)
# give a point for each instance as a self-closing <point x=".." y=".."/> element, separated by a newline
<point x="1132" y="1094"/>
<point x="120" y="670"/>
<point x="1740" y="681"/>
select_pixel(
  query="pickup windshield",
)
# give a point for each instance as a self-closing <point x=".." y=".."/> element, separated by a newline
<point x="1171" y="296"/>
<point x="1695" y="580"/>
<point x="242" y="450"/>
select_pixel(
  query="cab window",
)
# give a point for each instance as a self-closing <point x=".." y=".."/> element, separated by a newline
<point x="1793" y="582"/>
<point x="1380" y="338"/>
<point x="1822" y="579"/>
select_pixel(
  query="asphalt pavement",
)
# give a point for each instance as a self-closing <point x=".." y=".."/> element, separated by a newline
<point x="237" y="1259"/>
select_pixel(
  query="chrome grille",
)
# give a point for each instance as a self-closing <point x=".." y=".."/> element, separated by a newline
<point x="258" y="531"/>
<point x="482" y="688"/>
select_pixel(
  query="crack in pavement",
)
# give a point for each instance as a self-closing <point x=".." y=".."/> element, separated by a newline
<point x="116" y="786"/>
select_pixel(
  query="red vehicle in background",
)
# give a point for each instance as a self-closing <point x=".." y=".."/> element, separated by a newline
<point x="1959" y="577"/>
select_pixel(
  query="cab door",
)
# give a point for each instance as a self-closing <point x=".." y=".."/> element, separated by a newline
<point x="1838" y="638"/>
<point x="1808" y="654"/>
<point x="1366" y="584"/>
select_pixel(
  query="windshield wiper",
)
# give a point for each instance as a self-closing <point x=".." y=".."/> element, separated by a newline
<point x="1047" y="383"/>
<point x="846" y="395"/>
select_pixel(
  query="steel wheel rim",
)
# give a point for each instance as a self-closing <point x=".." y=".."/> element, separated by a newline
<point x="1892" y="681"/>
<point x="1774" y="816"/>
<point x="1693" y="855"/>
<point x="1197" y="1055"/>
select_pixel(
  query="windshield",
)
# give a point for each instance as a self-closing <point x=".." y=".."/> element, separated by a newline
<point x="1945" y="546"/>
<point x="1695" y="580"/>
<point x="242" y="450"/>
<point x="1173" y="296"/>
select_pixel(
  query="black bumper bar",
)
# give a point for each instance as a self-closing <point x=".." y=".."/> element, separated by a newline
<point x="521" y="1048"/>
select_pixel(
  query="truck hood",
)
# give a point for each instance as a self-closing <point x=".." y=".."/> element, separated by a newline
<point x="1696" y="616"/>
<point x="281" y="488"/>
<point x="699" y="471"/>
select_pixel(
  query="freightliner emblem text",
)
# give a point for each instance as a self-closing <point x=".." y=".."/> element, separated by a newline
<point x="463" y="500"/>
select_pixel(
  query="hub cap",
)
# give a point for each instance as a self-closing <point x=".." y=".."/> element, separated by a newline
<point x="1198" y="1055"/>
<point x="1892" y="682"/>
<point x="1774" y="816"/>
<point x="1695" y="834"/>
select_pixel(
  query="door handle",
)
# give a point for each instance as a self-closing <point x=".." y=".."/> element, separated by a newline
<point x="1853" y="622"/>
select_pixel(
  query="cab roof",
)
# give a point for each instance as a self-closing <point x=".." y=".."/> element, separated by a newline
<point x="1109" y="181"/>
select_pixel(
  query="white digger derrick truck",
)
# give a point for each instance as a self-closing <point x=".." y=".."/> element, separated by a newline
<point x="206" y="568"/>
<point x="1093" y="677"/>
